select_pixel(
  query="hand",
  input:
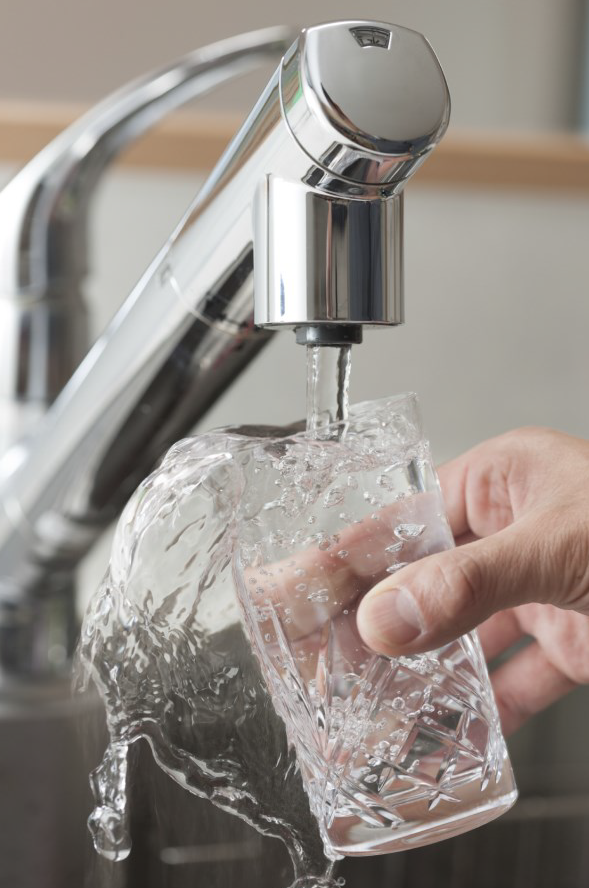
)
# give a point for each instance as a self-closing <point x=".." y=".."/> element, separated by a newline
<point x="519" y="508"/>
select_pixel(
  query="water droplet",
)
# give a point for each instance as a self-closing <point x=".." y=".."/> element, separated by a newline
<point x="398" y="704"/>
<point x="334" y="497"/>
<point x="343" y="553"/>
<point x="394" y="547"/>
<point x="319" y="596"/>
<point x="393" y="568"/>
<point x="387" y="482"/>
<point x="301" y="587"/>
<point x="409" y="531"/>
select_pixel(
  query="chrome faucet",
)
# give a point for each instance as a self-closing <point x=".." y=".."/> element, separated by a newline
<point x="304" y="208"/>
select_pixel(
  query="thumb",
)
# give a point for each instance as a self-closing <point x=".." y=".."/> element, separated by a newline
<point x="433" y="601"/>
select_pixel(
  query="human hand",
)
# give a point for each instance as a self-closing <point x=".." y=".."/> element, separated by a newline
<point x="519" y="508"/>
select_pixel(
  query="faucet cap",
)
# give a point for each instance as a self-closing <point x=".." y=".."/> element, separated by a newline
<point x="366" y="100"/>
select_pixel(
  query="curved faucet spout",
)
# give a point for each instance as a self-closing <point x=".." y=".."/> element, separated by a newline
<point x="44" y="214"/>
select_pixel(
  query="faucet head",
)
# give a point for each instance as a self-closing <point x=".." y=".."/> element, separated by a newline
<point x="367" y="101"/>
<point x="364" y="103"/>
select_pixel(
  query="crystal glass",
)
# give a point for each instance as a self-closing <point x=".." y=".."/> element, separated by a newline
<point x="394" y="752"/>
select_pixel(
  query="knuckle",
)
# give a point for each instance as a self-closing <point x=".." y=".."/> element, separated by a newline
<point x="532" y="434"/>
<point x="459" y="579"/>
<point x="569" y="550"/>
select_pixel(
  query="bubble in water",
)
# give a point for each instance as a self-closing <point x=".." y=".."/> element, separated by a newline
<point x="393" y="568"/>
<point x="343" y="553"/>
<point x="334" y="497"/>
<point x="318" y="597"/>
<point x="387" y="482"/>
<point x="394" y="548"/>
<point x="301" y="587"/>
<point x="409" y="532"/>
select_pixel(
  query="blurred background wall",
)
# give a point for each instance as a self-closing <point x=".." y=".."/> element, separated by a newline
<point x="509" y="64"/>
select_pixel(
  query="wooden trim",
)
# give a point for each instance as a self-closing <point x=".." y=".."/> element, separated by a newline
<point x="191" y="142"/>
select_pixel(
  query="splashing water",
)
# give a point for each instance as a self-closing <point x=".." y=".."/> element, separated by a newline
<point x="180" y="639"/>
<point x="163" y="643"/>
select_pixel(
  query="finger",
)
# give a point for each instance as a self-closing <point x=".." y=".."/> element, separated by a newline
<point x="476" y="488"/>
<point x="315" y="583"/>
<point x="525" y="685"/>
<point x="499" y="633"/>
<point x="427" y="604"/>
<point x="453" y="477"/>
<point x="464" y="538"/>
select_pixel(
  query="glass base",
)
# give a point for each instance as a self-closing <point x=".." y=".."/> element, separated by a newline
<point x="362" y="839"/>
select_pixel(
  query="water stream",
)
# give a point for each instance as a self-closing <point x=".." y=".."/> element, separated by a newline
<point x="328" y="383"/>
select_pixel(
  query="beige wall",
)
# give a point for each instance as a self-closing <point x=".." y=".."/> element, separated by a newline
<point x="510" y="63"/>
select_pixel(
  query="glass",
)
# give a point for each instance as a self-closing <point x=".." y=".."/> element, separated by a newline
<point x="224" y="635"/>
<point x="394" y="752"/>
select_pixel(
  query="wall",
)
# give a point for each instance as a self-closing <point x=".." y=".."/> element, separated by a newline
<point x="509" y="64"/>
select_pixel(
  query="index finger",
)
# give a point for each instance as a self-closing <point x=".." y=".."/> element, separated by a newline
<point x="452" y="477"/>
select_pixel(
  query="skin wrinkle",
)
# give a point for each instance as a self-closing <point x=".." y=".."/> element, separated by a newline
<point x="486" y="499"/>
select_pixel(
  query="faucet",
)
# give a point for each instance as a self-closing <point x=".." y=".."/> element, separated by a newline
<point x="304" y="208"/>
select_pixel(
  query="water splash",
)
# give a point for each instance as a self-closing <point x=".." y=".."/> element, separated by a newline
<point x="168" y="643"/>
<point x="163" y="643"/>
